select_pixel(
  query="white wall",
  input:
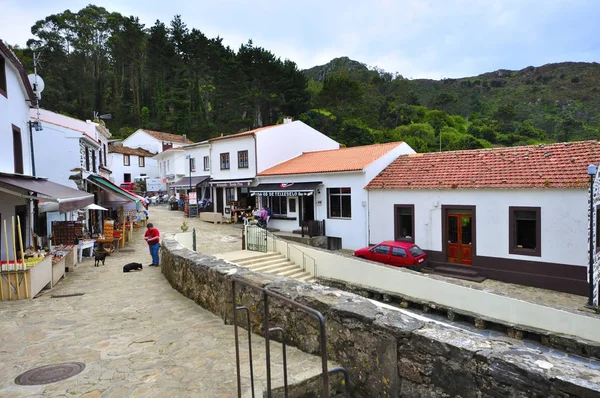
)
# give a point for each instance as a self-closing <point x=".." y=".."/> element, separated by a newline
<point x="118" y="169"/>
<point x="198" y="153"/>
<point x="278" y="144"/>
<point x="14" y="110"/>
<point x="141" y="139"/>
<point x="57" y="152"/>
<point x="232" y="146"/>
<point x="563" y="218"/>
<point x="352" y="231"/>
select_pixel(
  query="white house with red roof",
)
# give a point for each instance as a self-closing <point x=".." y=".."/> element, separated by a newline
<point x="328" y="187"/>
<point x="155" y="141"/>
<point x="236" y="159"/>
<point x="515" y="214"/>
<point x="128" y="163"/>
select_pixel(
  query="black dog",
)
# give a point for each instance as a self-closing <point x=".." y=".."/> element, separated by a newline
<point x="132" y="267"/>
<point x="99" y="256"/>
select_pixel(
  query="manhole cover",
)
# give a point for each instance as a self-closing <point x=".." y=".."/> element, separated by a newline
<point x="49" y="374"/>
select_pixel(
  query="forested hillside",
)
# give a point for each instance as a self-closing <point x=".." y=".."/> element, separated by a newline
<point x="172" y="78"/>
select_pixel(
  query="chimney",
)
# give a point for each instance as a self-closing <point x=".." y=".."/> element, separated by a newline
<point x="287" y="120"/>
<point x="184" y="138"/>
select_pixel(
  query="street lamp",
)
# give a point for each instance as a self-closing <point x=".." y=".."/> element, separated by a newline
<point x="590" y="303"/>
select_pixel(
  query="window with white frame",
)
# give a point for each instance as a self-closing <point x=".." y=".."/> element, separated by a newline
<point x="193" y="164"/>
<point x="125" y="160"/>
<point x="141" y="161"/>
<point x="339" y="203"/>
<point x="206" y="163"/>
<point x="279" y="205"/>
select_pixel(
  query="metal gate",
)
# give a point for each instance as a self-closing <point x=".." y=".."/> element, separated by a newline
<point x="268" y="294"/>
<point x="257" y="238"/>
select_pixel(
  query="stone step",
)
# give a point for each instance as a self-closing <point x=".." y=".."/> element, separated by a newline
<point x="272" y="269"/>
<point x="269" y="261"/>
<point x="290" y="273"/>
<point x="256" y="259"/>
<point x="458" y="272"/>
<point x="281" y="271"/>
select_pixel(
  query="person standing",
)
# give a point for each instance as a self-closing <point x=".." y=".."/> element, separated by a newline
<point x="152" y="237"/>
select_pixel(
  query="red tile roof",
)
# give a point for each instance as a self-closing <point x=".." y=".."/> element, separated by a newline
<point x="333" y="160"/>
<point x="562" y="165"/>
<point x="129" y="151"/>
<point x="168" y="137"/>
<point x="243" y="134"/>
<point x="10" y="56"/>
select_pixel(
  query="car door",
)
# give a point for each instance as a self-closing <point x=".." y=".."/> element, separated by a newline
<point x="399" y="257"/>
<point x="380" y="253"/>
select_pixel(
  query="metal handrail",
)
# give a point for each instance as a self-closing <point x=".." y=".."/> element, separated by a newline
<point x="268" y="293"/>
<point x="275" y="238"/>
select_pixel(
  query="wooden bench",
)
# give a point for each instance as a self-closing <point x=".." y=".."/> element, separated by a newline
<point x="215" y="218"/>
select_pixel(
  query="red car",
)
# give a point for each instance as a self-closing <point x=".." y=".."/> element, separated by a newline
<point x="398" y="254"/>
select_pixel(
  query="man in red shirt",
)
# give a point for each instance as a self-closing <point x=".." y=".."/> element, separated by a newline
<point x="152" y="236"/>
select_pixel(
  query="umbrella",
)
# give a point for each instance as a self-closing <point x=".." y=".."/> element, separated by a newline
<point x="94" y="206"/>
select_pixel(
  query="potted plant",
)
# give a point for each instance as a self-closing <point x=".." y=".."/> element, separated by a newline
<point x="184" y="227"/>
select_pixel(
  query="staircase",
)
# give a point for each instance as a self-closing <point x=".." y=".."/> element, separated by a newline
<point x="456" y="271"/>
<point x="270" y="263"/>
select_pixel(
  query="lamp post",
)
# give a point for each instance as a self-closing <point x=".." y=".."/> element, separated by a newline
<point x="590" y="303"/>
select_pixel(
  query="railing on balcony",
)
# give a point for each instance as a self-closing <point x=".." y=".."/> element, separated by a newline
<point x="313" y="228"/>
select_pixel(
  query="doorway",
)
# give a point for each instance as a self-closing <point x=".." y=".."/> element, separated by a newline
<point x="307" y="209"/>
<point x="220" y="206"/>
<point x="459" y="234"/>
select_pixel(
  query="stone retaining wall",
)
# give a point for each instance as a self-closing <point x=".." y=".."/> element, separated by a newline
<point x="387" y="353"/>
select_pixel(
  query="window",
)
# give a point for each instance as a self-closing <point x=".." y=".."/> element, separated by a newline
<point x="192" y="164"/>
<point x="242" y="159"/>
<point x="339" y="203"/>
<point x="206" y="163"/>
<point x="525" y="231"/>
<point x="141" y="161"/>
<point x="404" y="223"/>
<point x="126" y="177"/>
<point x="94" y="161"/>
<point x="87" y="159"/>
<point x="381" y="249"/>
<point x="105" y="157"/>
<point x="279" y="205"/>
<point x="3" y="90"/>
<point x="399" y="252"/>
<point x="225" y="161"/>
<point x="229" y="195"/>
<point x="125" y="160"/>
<point x="17" y="148"/>
<point x="101" y="163"/>
<point x="416" y="251"/>
<point x="292" y="205"/>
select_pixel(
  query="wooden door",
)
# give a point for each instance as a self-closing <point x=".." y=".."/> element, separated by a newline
<point x="460" y="238"/>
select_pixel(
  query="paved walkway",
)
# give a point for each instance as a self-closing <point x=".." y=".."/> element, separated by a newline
<point x="136" y="335"/>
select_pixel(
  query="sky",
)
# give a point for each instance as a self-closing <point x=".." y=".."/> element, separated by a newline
<point x="416" y="38"/>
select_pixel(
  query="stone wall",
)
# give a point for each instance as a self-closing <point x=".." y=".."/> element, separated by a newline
<point x="388" y="353"/>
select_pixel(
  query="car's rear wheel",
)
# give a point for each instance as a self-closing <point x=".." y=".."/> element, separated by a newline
<point x="362" y="257"/>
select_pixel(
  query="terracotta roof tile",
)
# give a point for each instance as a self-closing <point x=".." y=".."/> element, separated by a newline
<point x="245" y="133"/>
<point x="333" y="160"/>
<point x="562" y="165"/>
<point x="168" y="137"/>
<point x="129" y="151"/>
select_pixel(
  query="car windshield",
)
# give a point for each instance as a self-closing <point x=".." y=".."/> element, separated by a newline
<point x="416" y="251"/>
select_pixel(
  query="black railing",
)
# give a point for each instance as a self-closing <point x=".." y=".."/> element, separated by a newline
<point x="266" y="294"/>
<point x="313" y="228"/>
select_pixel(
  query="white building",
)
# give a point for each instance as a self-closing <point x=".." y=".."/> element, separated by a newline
<point x="326" y="186"/>
<point x="17" y="180"/>
<point x="171" y="165"/>
<point x="153" y="142"/>
<point x="236" y="159"/>
<point x="513" y="214"/>
<point x="128" y="163"/>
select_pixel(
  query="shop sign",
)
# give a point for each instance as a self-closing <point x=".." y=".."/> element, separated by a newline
<point x="230" y="184"/>
<point x="283" y="193"/>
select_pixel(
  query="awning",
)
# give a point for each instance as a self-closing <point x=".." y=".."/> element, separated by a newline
<point x="231" y="183"/>
<point x="285" y="189"/>
<point x="108" y="186"/>
<point x="68" y="199"/>
<point x="184" y="182"/>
